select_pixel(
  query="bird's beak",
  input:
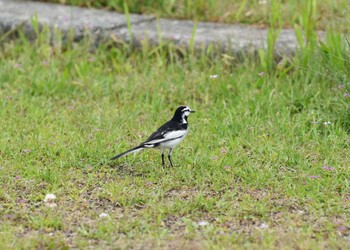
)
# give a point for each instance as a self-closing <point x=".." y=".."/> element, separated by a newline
<point x="193" y="111"/>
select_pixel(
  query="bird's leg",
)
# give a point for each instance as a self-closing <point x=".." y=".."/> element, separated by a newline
<point x="163" y="162"/>
<point x="169" y="157"/>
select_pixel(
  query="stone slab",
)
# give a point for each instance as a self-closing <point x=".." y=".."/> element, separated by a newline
<point x="63" y="17"/>
<point x="112" y="25"/>
<point x="234" y="38"/>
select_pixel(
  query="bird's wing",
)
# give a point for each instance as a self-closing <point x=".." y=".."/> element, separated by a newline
<point x="170" y="130"/>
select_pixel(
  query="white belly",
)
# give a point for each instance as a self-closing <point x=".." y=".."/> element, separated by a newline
<point x="172" y="143"/>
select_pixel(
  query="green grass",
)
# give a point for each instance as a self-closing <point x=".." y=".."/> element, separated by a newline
<point x="252" y="166"/>
<point x="330" y="13"/>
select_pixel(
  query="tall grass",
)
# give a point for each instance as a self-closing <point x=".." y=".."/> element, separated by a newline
<point x="267" y="55"/>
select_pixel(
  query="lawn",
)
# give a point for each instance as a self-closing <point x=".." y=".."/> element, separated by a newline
<point x="264" y="166"/>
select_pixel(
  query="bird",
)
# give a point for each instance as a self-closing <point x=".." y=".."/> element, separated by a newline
<point x="167" y="136"/>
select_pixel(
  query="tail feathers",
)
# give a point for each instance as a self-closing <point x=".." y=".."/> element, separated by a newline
<point x="130" y="151"/>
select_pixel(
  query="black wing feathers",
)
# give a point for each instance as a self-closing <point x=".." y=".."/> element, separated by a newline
<point x="165" y="128"/>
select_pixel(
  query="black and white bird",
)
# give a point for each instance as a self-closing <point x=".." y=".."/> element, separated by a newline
<point x="168" y="136"/>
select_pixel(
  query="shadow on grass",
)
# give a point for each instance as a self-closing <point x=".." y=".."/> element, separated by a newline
<point x="124" y="169"/>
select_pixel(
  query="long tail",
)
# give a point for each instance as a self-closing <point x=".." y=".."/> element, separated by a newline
<point x="130" y="151"/>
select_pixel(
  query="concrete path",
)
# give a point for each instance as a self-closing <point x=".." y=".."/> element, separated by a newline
<point x="111" y="25"/>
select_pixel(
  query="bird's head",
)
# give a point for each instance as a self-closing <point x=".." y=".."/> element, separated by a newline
<point x="182" y="113"/>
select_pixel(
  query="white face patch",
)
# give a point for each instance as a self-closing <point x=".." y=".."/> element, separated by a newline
<point x="185" y="113"/>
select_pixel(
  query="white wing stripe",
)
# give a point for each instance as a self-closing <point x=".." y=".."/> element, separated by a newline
<point x="169" y="136"/>
<point x="175" y="134"/>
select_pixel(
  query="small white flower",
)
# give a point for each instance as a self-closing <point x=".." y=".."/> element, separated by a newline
<point x="51" y="205"/>
<point x="103" y="215"/>
<point x="49" y="198"/>
<point x="263" y="226"/>
<point x="213" y="76"/>
<point x="177" y="37"/>
<point x="203" y="223"/>
<point x="327" y="123"/>
<point x="262" y="2"/>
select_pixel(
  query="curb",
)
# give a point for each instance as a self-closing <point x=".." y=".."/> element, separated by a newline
<point x="107" y="25"/>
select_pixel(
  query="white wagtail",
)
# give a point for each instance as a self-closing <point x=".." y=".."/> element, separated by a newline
<point x="168" y="136"/>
